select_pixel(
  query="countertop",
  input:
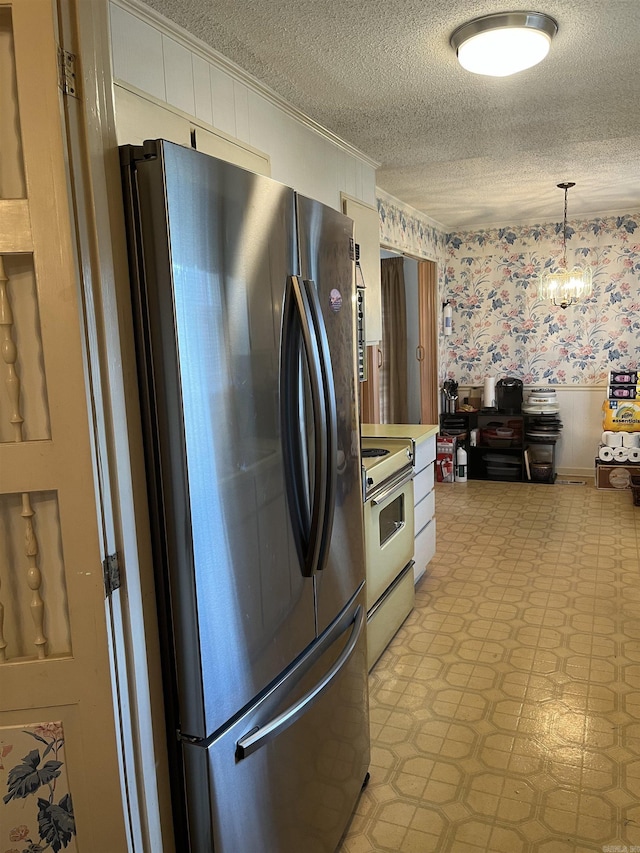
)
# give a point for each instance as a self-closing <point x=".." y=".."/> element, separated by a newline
<point x="417" y="432"/>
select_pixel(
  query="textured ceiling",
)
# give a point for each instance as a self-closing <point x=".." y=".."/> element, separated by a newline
<point x="467" y="150"/>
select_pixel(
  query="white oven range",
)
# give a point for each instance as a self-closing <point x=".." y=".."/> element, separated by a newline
<point x="387" y="470"/>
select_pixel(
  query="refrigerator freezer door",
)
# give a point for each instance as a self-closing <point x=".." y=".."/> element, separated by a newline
<point x="326" y="265"/>
<point x="216" y="245"/>
<point x="293" y="789"/>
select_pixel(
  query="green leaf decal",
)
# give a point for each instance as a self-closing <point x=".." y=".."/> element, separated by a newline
<point x="49" y="771"/>
<point x="56" y="823"/>
<point x="37" y="737"/>
<point x="25" y="778"/>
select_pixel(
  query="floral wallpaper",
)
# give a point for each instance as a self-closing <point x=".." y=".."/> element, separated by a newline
<point x="501" y="327"/>
<point x="408" y="230"/>
<point x="36" y="810"/>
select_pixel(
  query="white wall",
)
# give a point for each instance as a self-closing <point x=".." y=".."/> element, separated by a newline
<point x="154" y="55"/>
<point x="581" y="413"/>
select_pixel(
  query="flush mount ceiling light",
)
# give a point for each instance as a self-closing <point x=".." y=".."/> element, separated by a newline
<point x="505" y="43"/>
<point x="566" y="287"/>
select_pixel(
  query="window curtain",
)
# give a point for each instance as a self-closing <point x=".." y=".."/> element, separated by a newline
<point x="393" y="373"/>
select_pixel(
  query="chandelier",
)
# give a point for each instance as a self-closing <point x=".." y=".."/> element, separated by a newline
<point x="566" y="286"/>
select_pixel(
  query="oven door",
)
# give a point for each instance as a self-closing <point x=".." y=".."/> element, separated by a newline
<point x="389" y="531"/>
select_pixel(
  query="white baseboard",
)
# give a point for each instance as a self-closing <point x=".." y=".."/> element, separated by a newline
<point x="576" y="472"/>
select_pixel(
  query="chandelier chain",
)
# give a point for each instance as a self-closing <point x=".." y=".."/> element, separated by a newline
<point x="563" y="287"/>
<point x="564" y="230"/>
<point x="566" y="186"/>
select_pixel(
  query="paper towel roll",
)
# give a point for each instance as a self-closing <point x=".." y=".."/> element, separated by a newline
<point x="630" y="439"/>
<point x="634" y="454"/>
<point x="605" y="453"/>
<point x="489" y="400"/>
<point x="621" y="454"/>
<point x="614" y="439"/>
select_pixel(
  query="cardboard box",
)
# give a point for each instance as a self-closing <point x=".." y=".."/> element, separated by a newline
<point x="615" y="476"/>
<point x="445" y="458"/>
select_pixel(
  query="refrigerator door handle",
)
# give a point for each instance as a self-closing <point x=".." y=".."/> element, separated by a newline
<point x="330" y="427"/>
<point x="307" y="527"/>
<point x="261" y="735"/>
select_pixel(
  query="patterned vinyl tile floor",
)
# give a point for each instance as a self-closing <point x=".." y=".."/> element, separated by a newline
<point x="505" y="714"/>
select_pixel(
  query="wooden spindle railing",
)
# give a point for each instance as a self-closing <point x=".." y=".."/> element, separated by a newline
<point x="8" y="350"/>
<point x="34" y="575"/>
<point x="10" y="355"/>
<point x="3" y="642"/>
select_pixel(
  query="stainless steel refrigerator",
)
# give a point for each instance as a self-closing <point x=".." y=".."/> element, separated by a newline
<point x="244" y="314"/>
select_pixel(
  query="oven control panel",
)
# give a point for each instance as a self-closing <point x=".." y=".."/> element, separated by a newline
<point x="382" y="460"/>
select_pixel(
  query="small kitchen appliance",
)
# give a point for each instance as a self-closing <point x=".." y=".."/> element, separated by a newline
<point x="541" y="401"/>
<point x="509" y="395"/>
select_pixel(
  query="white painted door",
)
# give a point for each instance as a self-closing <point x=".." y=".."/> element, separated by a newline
<point x="59" y="773"/>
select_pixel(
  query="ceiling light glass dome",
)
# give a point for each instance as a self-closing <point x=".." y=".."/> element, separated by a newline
<point x="505" y="43"/>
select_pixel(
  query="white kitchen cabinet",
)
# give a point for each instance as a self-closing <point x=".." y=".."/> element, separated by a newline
<point x="425" y="548"/>
<point x="366" y="226"/>
<point x="424" y="504"/>
<point x="140" y="116"/>
<point x="425" y="510"/>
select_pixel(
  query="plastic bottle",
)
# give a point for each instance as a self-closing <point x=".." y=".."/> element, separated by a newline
<point x="461" y="465"/>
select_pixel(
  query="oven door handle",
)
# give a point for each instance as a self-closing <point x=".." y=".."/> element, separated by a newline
<point x="298" y="327"/>
<point x="328" y="429"/>
<point x="394" y="486"/>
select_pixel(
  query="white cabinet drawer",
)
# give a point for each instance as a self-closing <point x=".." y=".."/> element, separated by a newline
<point x="425" y="452"/>
<point x="424" y="512"/>
<point x="425" y="548"/>
<point x="423" y="483"/>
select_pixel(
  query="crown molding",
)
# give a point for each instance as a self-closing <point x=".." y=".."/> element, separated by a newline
<point x="209" y="54"/>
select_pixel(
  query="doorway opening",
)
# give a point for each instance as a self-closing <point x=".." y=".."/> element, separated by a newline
<point x="403" y="366"/>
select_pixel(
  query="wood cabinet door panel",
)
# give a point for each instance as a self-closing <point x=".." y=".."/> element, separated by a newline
<point x="56" y="703"/>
